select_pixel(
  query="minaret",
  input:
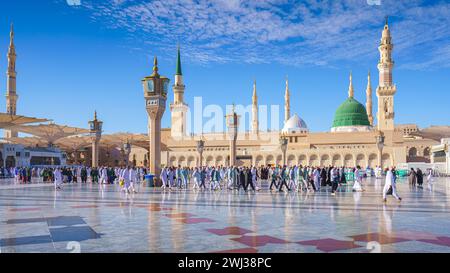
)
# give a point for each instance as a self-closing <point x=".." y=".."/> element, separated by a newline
<point x="386" y="89"/>
<point x="178" y="108"/>
<point x="255" y="126"/>
<point x="351" y="91"/>
<point x="369" y="100"/>
<point x="11" y="95"/>
<point x="287" y="104"/>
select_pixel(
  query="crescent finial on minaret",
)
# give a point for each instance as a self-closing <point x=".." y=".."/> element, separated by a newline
<point x="351" y="91"/>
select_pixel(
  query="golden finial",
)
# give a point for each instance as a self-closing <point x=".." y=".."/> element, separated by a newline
<point x="155" y="66"/>
<point x="351" y="91"/>
<point x="95" y="115"/>
<point x="11" y="33"/>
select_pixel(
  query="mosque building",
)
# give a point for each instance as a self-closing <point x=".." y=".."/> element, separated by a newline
<point x="352" y="140"/>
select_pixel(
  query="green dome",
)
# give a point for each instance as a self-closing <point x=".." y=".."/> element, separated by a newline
<point x="351" y="113"/>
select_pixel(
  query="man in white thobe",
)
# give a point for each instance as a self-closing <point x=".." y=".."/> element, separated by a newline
<point x="390" y="182"/>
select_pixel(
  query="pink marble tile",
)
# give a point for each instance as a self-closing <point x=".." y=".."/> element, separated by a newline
<point x="415" y="235"/>
<point x="259" y="240"/>
<point x="194" y="220"/>
<point x="328" y="244"/>
<point x="180" y="215"/>
<point x="378" y="237"/>
<point x="442" y="241"/>
<point x="84" y="206"/>
<point x="239" y="250"/>
<point x="118" y="205"/>
<point x="26" y="209"/>
<point x="229" y="231"/>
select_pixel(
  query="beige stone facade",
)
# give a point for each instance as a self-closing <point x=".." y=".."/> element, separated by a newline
<point x="347" y="147"/>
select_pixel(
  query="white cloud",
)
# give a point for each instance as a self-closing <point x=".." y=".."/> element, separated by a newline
<point x="310" y="32"/>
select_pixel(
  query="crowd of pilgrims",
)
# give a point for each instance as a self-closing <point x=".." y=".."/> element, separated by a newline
<point x="281" y="178"/>
<point x="125" y="176"/>
<point x="295" y="178"/>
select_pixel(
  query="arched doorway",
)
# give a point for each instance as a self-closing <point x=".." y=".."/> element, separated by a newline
<point x="259" y="160"/>
<point x="373" y="160"/>
<point x="348" y="161"/>
<point x="386" y="160"/>
<point x="172" y="161"/>
<point x="191" y="161"/>
<point x="10" y="161"/>
<point x="313" y="161"/>
<point x="270" y="160"/>
<point x="325" y="161"/>
<point x="337" y="162"/>
<point x="302" y="160"/>
<point x="291" y="160"/>
<point x="279" y="160"/>
<point x="412" y="152"/>
<point x="360" y="161"/>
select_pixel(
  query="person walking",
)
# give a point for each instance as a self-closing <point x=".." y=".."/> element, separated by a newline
<point x="412" y="178"/>
<point x="273" y="175"/>
<point x="284" y="177"/>
<point x="419" y="175"/>
<point x="334" y="178"/>
<point x="358" y="180"/>
<point x="390" y="185"/>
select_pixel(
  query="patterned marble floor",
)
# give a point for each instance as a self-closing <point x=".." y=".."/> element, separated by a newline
<point x="93" y="218"/>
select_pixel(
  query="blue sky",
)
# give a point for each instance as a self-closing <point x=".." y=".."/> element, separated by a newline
<point x="73" y="60"/>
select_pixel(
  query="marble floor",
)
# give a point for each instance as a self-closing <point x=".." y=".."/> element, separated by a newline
<point x="93" y="218"/>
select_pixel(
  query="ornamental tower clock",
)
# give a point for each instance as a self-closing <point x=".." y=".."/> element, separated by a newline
<point x="155" y="94"/>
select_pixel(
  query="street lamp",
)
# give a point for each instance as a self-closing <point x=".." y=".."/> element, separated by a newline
<point x="283" y="145"/>
<point x="200" y="147"/>
<point x="380" y="146"/>
<point x="232" y="121"/>
<point x="127" y="151"/>
<point x="155" y="94"/>
<point x="95" y="132"/>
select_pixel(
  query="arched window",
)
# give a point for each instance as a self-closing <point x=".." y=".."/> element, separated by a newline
<point x="412" y="152"/>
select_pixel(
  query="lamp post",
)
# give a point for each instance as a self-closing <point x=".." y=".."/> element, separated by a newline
<point x="232" y="124"/>
<point x="380" y="146"/>
<point x="127" y="151"/>
<point x="155" y="94"/>
<point x="283" y="145"/>
<point x="200" y="147"/>
<point x="95" y="127"/>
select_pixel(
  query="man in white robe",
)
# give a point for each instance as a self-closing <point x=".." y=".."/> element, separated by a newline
<point x="163" y="177"/>
<point x="390" y="182"/>
<point x="357" y="186"/>
<point x="58" y="179"/>
<point x="197" y="178"/>
<point x="133" y="176"/>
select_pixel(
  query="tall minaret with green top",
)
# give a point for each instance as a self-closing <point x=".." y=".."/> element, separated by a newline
<point x="178" y="108"/>
<point x="11" y="94"/>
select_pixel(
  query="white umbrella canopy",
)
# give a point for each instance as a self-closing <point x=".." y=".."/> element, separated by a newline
<point x="51" y="132"/>
<point x="8" y="120"/>
<point x="27" y="141"/>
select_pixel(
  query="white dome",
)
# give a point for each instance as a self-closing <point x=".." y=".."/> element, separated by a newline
<point x="295" y="125"/>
